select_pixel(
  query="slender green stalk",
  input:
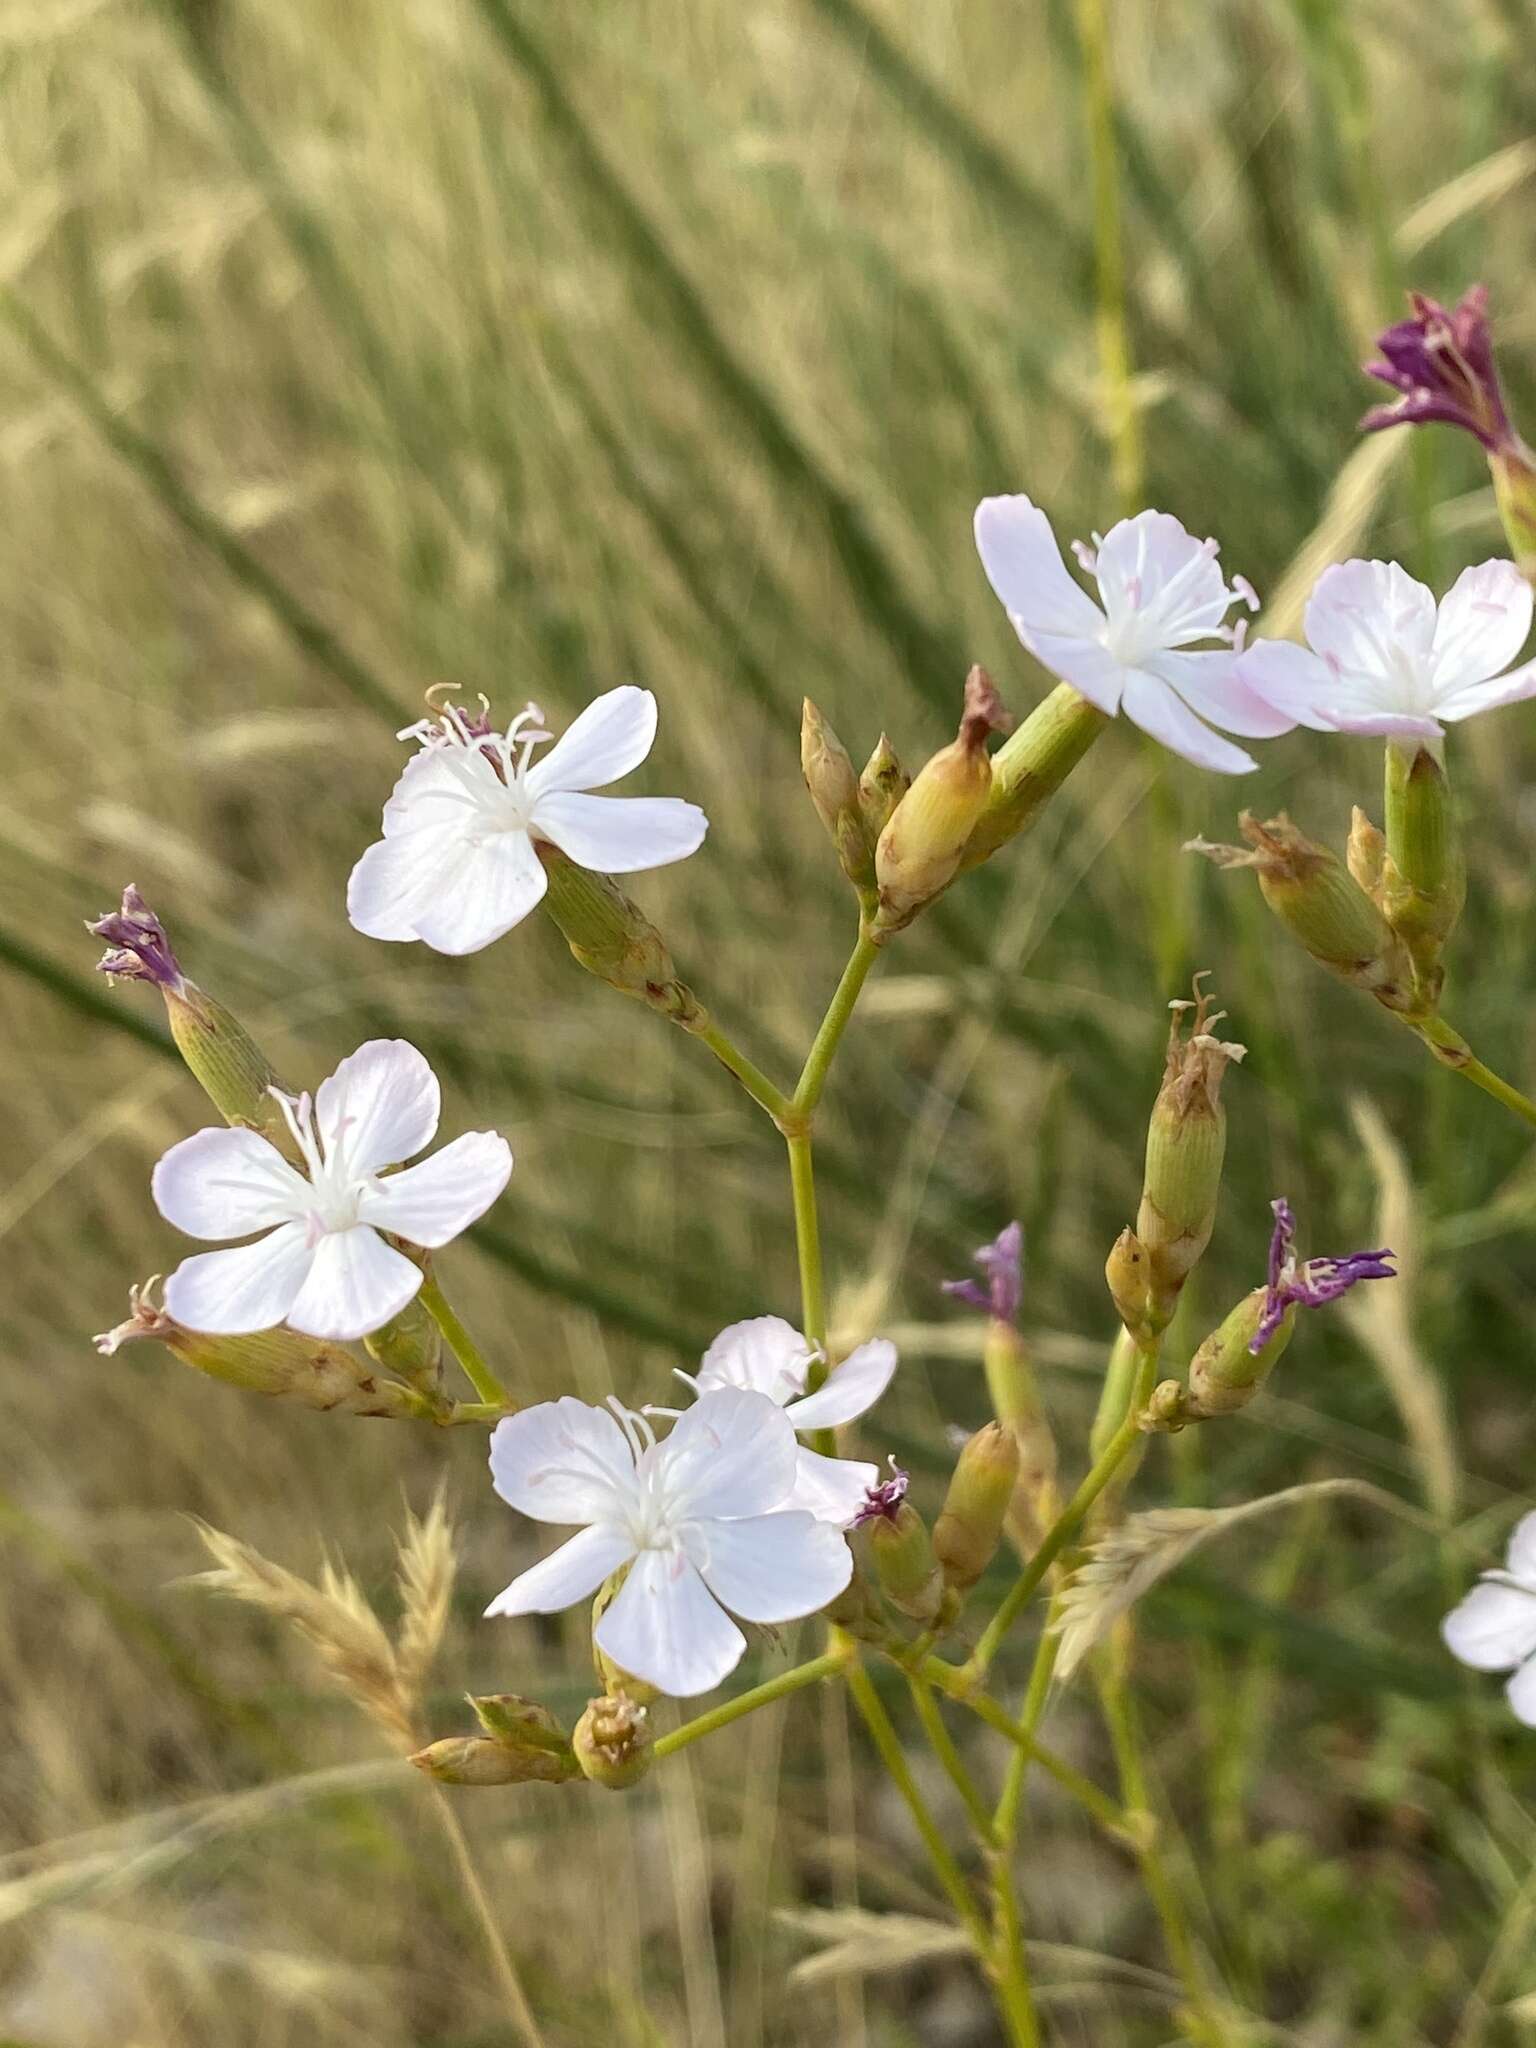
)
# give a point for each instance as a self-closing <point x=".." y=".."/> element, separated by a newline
<point x="758" y="1086"/>
<point x="794" y="1680"/>
<point x="1036" y="1693"/>
<point x="829" y="1036"/>
<point x="802" y="1182"/>
<point x="954" y="1764"/>
<point x="1452" y="1050"/>
<point x="463" y="1347"/>
<point x="463" y="1412"/>
<point x="1083" y="1790"/>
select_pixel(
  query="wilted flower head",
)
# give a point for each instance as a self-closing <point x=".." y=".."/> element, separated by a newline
<point x="1441" y="363"/>
<point x="1494" y="1628"/>
<point x="1160" y="591"/>
<point x="137" y="947"/>
<point x="1002" y="1262"/>
<point x="457" y="865"/>
<point x="322" y="1265"/>
<point x="884" y="1498"/>
<point x="1308" y="1283"/>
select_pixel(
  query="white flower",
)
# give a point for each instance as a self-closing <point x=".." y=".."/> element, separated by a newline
<point x="703" y="1519"/>
<point x="1494" y="1628"/>
<point x="1160" y="590"/>
<point x="322" y="1267"/>
<point x="770" y="1357"/>
<point x="457" y="868"/>
<point x="1384" y="659"/>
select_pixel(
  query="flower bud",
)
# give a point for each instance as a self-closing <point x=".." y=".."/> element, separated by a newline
<point x="527" y="1732"/>
<point x="1031" y="766"/>
<point x="1226" y="1372"/>
<point x="1016" y="1403"/>
<point x="612" y="1742"/>
<point x="609" y="1676"/>
<point x="1186" y="1143"/>
<point x="277" y="1362"/>
<point x="856" y="1611"/>
<point x="1366" y="854"/>
<point x="411" y="1347"/>
<point x="905" y="1565"/>
<point x="970" y="1524"/>
<point x="881" y="788"/>
<point x="476" y="1760"/>
<point x="1128" y="1274"/>
<point x="1308" y="889"/>
<point x="613" y="938"/>
<point x="1514" y="490"/>
<point x="919" y="851"/>
<point x="1424" y="878"/>
<point x="834" y="791"/>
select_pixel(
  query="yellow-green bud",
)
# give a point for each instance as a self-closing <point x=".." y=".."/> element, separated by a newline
<point x="613" y="938"/>
<point x="1031" y="766"/>
<point x="477" y="1760"/>
<point x="612" y="1742"/>
<point x="1224" y="1374"/>
<point x="1016" y="1404"/>
<point x="881" y="788"/>
<point x="919" y="851"/>
<point x="278" y="1362"/>
<point x="1128" y="1274"/>
<point x="1514" y="490"/>
<point x="1315" y="898"/>
<point x="856" y="1611"/>
<point x="1186" y="1143"/>
<point x="970" y="1524"/>
<point x="1366" y="854"/>
<point x="1424" y="877"/>
<point x="609" y="1676"/>
<point x="908" y="1571"/>
<point x="411" y="1347"/>
<point x="834" y="789"/>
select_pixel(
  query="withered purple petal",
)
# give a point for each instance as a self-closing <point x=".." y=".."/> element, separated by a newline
<point x="1442" y="365"/>
<point x="1314" y="1282"/>
<point x="1002" y="1263"/>
<point x="884" y="1498"/>
<point x="137" y="947"/>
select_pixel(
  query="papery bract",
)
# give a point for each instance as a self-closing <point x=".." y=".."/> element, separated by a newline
<point x="322" y="1265"/>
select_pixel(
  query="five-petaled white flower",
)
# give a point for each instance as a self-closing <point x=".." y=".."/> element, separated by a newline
<point x="322" y="1266"/>
<point x="704" y="1519"/>
<point x="770" y="1357"/>
<point x="1160" y="591"/>
<point x="1494" y="1628"/>
<point x="1385" y="659"/>
<point x="457" y="865"/>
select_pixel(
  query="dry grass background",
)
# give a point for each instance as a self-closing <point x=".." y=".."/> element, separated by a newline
<point x="350" y="349"/>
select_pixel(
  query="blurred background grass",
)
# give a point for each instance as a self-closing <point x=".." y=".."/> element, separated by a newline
<point x="346" y="351"/>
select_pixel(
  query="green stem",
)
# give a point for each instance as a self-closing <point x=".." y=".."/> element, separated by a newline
<point x="795" y="1680"/>
<point x="813" y="1075"/>
<point x="802" y="1184"/>
<point x="1083" y="1790"/>
<point x="473" y="1411"/>
<point x="758" y="1086"/>
<point x="944" y="1749"/>
<point x="463" y="1346"/>
<point x="1452" y="1050"/>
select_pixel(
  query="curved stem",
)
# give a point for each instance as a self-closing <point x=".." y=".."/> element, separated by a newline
<point x="777" y="1688"/>
<point x="762" y="1091"/>
<point x="1103" y="1809"/>
<point x="813" y="1075"/>
<point x="1452" y="1050"/>
<point x="462" y="1345"/>
<point x="944" y="1749"/>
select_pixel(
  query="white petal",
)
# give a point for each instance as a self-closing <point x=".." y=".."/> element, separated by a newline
<point x="232" y="1293"/>
<point x="431" y="1203"/>
<point x="1388" y="725"/>
<point x="436" y="790"/>
<point x="568" y="1574"/>
<point x="1481" y="626"/>
<point x="620" y="835"/>
<point x="227" y="1183"/>
<point x="1514" y="688"/>
<point x="1368" y="621"/>
<point x="1152" y="566"/>
<point x="1087" y="665"/>
<point x="1520" y="1558"/>
<point x="1023" y="563"/>
<point x="1494" y="1628"/>
<point x="563" y="1461"/>
<point x="397" y="881"/>
<point x="1150" y="704"/>
<point x="496" y="886"/>
<point x="831" y="1489"/>
<point x="849" y="1389"/>
<point x="1296" y="681"/>
<point x="356" y="1283"/>
<point x="665" y="1627"/>
<point x="380" y="1106"/>
<point x="1521" y="1693"/>
<point x="613" y="735"/>
<point x="732" y="1453"/>
<point x="764" y="1353"/>
<point x="771" y="1567"/>
<point x="1214" y="687"/>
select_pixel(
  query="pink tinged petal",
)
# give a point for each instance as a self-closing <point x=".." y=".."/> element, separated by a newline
<point x="849" y="1389"/>
<point x="1297" y="682"/>
<point x="1494" y="1628"/>
<point x="431" y="1203"/>
<point x="1150" y="704"/>
<point x="1024" y="567"/>
<point x="563" y="1461"/>
<point x="1152" y="565"/>
<point x="666" y="1627"/>
<point x="613" y="735"/>
<point x="232" y="1293"/>
<point x="397" y="881"/>
<point x="771" y="1567"/>
<point x="1520" y="1558"/>
<point x="764" y="1353"/>
<point x="380" y="1106"/>
<point x="620" y="835"/>
<point x="227" y="1183"/>
<point x="1388" y="725"/>
<point x="1514" y="688"/>
<point x="1215" y="688"/>
<point x="1481" y="626"/>
<point x="831" y="1489"/>
<point x="1086" y="664"/>
<point x="1521" y="1693"/>
<point x="496" y="885"/>
<point x="355" y="1284"/>
<point x="732" y="1453"/>
<point x="568" y="1574"/>
<point x="1366" y="619"/>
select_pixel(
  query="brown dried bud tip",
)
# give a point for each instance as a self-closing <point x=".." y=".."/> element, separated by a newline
<point x="1194" y="1064"/>
<point x="984" y="711"/>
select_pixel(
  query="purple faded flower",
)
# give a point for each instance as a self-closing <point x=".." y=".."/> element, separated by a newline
<point x="1441" y="363"/>
<point x="883" y="1498"/>
<point x="138" y="949"/>
<point x="1312" y="1282"/>
<point x="1002" y="1263"/>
